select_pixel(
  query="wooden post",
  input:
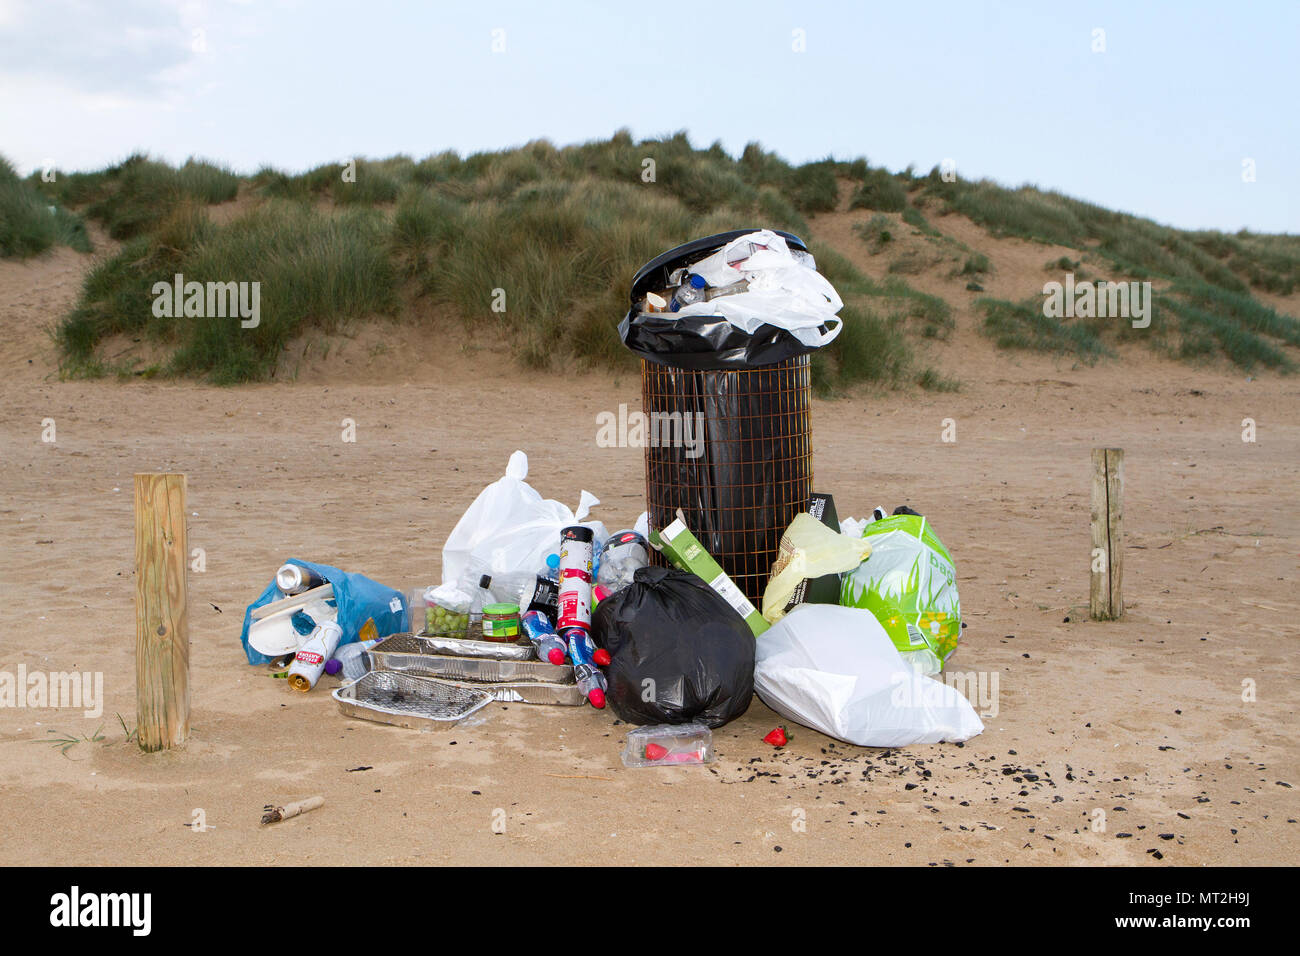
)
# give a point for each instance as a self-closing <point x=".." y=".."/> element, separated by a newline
<point x="162" y="633"/>
<point x="1107" y="599"/>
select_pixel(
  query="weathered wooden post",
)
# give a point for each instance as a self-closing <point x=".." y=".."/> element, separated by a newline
<point x="1107" y="599"/>
<point x="162" y="633"/>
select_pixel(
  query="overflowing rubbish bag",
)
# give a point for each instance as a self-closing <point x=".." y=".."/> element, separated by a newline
<point x="809" y="549"/>
<point x="834" y="669"/>
<point x="346" y="598"/>
<point x="510" y="527"/>
<point x="678" y="651"/>
<point x="741" y="299"/>
<point x="766" y="284"/>
<point x="910" y="584"/>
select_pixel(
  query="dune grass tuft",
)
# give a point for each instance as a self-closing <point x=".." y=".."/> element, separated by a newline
<point x="30" y="223"/>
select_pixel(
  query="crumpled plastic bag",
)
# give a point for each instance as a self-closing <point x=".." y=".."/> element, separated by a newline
<point x="357" y="599"/>
<point x="834" y="669"/>
<point x="784" y="291"/>
<point x="808" y="549"/>
<point x="510" y="527"/>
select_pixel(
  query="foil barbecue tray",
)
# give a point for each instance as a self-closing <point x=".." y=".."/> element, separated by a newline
<point x="473" y="669"/>
<point x="519" y="692"/>
<point x="454" y="646"/>
<point x="404" y="700"/>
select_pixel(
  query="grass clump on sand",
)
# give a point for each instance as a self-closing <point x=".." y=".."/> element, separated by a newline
<point x="879" y="191"/>
<point x="135" y="196"/>
<point x="1209" y="320"/>
<point x="30" y="224"/>
<point x="1022" y="325"/>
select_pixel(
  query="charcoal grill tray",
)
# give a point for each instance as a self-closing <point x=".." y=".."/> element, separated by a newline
<point x="404" y="700"/>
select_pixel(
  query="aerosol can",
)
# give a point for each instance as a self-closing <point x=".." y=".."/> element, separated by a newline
<point x="309" y="662"/>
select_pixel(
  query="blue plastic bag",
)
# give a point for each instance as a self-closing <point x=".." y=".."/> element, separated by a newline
<point x="358" y="598"/>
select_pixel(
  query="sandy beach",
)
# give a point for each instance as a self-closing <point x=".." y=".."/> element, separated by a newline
<point x="1107" y="743"/>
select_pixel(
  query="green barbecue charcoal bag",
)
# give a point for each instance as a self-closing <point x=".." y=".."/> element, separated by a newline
<point x="910" y="585"/>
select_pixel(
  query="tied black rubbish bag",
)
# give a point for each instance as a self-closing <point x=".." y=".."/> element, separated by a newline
<point x="671" y="628"/>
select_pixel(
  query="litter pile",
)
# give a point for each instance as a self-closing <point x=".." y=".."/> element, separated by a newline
<point x="843" y="629"/>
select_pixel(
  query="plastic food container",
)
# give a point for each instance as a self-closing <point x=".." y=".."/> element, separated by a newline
<point x="436" y="612"/>
<point x="669" y="745"/>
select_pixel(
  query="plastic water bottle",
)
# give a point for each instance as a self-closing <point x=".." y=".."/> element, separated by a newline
<point x="585" y="656"/>
<point x="510" y="587"/>
<point x="542" y="635"/>
<point x="689" y="292"/>
<point x="354" y="659"/>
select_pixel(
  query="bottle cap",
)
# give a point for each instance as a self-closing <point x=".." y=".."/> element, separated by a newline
<point x="601" y="657"/>
<point x="597" y="698"/>
<point x="697" y="281"/>
<point x="556" y="656"/>
<point x="485" y="581"/>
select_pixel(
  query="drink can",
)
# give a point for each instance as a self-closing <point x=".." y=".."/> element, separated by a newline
<point x="575" y="578"/>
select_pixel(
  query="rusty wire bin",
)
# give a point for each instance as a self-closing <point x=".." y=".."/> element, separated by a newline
<point x="729" y="442"/>
<point x="744" y="468"/>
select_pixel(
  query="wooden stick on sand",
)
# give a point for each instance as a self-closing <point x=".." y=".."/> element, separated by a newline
<point x="276" y="814"/>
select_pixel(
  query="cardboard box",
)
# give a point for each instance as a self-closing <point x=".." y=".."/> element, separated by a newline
<point x="684" y="551"/>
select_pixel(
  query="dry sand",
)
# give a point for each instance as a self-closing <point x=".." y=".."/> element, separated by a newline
<point x="1139" y="725"/>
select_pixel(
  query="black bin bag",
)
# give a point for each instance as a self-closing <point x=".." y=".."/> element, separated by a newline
<point x="671" y="628"/>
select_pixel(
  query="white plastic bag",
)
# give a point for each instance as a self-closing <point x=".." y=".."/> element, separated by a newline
<point x="510" y="527"/>
<point x="834" y="669"/>
<point x="784" y="291"/>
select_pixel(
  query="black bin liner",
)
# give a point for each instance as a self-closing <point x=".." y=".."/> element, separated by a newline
<point x="671" y="628"/>
<point x="701" y="341"/>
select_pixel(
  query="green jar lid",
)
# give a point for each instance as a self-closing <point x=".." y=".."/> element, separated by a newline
<point x="502" y="609"/>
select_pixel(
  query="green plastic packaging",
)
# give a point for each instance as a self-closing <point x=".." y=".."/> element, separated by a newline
<point x="910" y="584"/>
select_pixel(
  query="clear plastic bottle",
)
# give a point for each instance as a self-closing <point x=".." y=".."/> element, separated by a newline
<point x="511" y="587"/>
<point x="689" y="292"/>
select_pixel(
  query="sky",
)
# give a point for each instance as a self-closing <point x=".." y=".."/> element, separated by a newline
<point x="1182" y="112"/>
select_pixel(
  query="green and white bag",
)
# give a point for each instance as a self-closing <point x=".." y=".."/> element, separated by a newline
<point x="910" y="585"/>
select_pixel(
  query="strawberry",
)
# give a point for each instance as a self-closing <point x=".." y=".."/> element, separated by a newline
<point x="777" y="737"/>
<point x="655" y="752"/>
